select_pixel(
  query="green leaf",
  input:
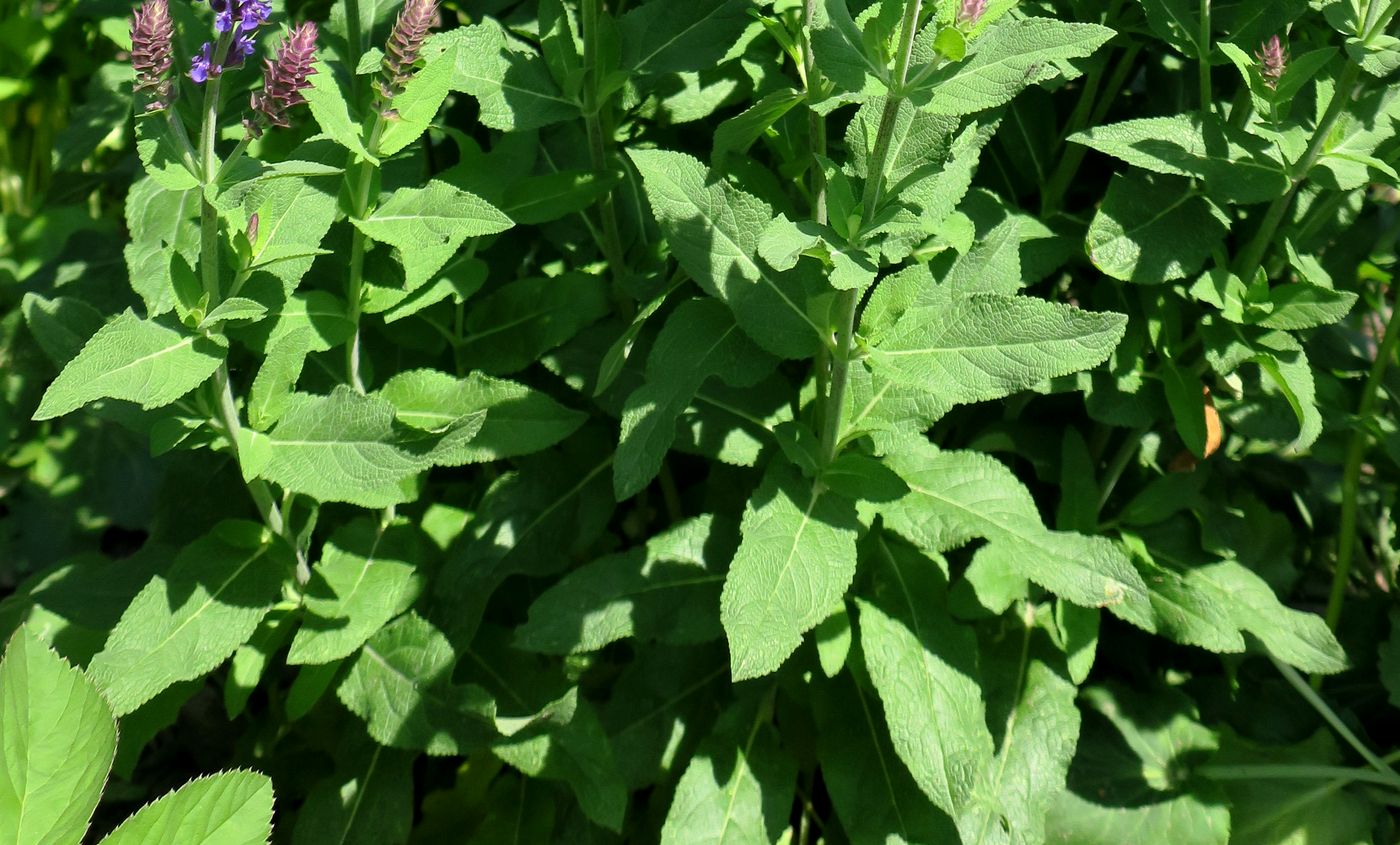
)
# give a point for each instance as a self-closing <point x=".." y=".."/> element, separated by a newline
<point x="511" y="83"/>
<point x="984" y="346"/>
<point x="577" y="753"/>
<point x="1152" y="229"/>
<point x="400" y="685"/>
<point x="863" y="478"/>
<point x="738" y="133"/>
<point x="332" y="112"/>
<point x="667" y="591"/>
<point x="163" y="153"/>
<point x="956" y="496"/>
<point x="57" y="741"/>
<point x="346" y="447"/>
<point x="1177" y="22"/>
<point x="185" y="623"/>
<point x="737" y="789"/>
<point x="795" y="561"/>
<point x="1132" y="773"/>
<point x="713" y="230"/>
<point x="1282" y="357"/>
<point x="1187" y="399"/>
<point x="229" y="808"/>
<point x="368" y="800"/>
<point x="842" y="54"/>
<point x="514" y="325"/>
<point x="670" y="38"/>
<point x="540" y="199"/>
<point x="141" y="361"/>
<point x="61" y="325"/>
<point x="234" y="308"/>
<point x="163" y="224"/>
<point x="1230" y="163"/>
<point x="1031" y="708"/>
<point x="366" y="576"/>
<point x="700" y="340"/>
<point x="1009" y="57"/>
<point x="1299" y="305"/>
<point x="277" y="377"/>
<point x="419" y="102"/>
<point x="519" y="420"/>
<point x="251" y="659"/>
<point x="429" y="224"/>
<point x="923" y="666"/>
<point x="874" y="795"/>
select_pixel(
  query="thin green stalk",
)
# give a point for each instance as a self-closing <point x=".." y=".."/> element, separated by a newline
<point x="870" y="198"/>
<point x="1330" y="716"/>
<point x="1286" y="771"/>
<point x="362" y="181"/>
<point x="816" y="133"/>
<point x="208" y="171"/>
<point x="1248" y="261"/>
<point x="1351" y="473"/>
<point x="226" y="407"/>
<point x="1203" y="48"/>
<point x="1068" y="167"/>
<point x="353" y="36"/>
<point x="597" y="141"/>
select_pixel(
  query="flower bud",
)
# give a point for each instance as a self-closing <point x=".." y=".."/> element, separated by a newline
<point x="284" y="79"/>
<point x="1272" y="59"/>
<point x="151" y="34"/>
<point x="970" y="12"/>
<point x="406" y="39"/>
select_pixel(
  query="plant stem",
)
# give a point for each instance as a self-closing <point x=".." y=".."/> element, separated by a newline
<point x="208" y="169"/>
<point x="848" y="300"/>
<point x="1249" y="259"/>
<point x="1351" y="473"/>
<point x="1287" y="771"/>
<point x="1203" y="50"/>
<point x="597" y="141"/>
<point x="1330" y="716"/>
<point x="816" y="134"/>
<point x="1065" y="171"/>
<point x="227" y="408"/>
<point x="353" y="35"/>
<point x="361" y="182"/>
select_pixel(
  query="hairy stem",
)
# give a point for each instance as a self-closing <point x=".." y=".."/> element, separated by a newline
<point x="816" y="134"/>
<point x="1351" y="472"/>
<point x="847" y="301"/>
<point x="224" y="403"/>
<point x="1249" y="259"/>
<point x="361" y="182"/>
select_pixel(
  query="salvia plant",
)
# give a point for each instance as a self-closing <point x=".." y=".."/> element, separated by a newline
<point x="725" y="421"/>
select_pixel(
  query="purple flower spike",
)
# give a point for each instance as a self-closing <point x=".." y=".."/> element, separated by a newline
<point x="284" y="79"/>
<point x="202" y="64"/>
<point x="151" y="33"/>
<point x="1272" y="59"/>
<point x="971" y="11"/>
<point x="416" y="18"/>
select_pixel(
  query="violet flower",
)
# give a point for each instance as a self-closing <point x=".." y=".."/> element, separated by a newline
<point x="400" y="54"/>
<point x="284" y="79"/>
<point x="241" y="17"/>
<point x="151" y="34"/>
<point x="970" y="12"/>
<point x="1272" y="59"/>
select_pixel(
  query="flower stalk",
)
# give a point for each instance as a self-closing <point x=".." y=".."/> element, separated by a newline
<point x="848" y="300"/>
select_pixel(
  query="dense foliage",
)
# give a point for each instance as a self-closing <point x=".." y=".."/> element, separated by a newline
<point x="718" y="421"/>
